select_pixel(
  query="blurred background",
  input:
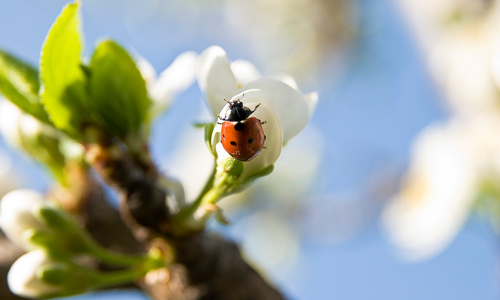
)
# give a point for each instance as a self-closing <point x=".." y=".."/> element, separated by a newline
<point x="389" y="192"/>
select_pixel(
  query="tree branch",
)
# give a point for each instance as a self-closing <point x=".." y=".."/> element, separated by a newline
<point x="206" y="266"/>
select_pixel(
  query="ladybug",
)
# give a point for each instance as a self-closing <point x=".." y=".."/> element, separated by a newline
<point x="242" y="136"/>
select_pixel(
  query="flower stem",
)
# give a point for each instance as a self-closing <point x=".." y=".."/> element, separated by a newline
<point x="115" y="258"/>
<point x="153" y="261"/>
<point x="194" y="216"/>
<point x="189" y="210"/>
<point x="115" y="278"/>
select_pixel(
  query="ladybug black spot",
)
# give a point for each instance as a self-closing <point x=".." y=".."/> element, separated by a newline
<point x="239" y="126"/>
<point x="233" y="143"/>
<point x="250" y="140"/>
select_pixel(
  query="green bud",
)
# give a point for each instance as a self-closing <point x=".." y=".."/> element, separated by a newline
<point x="37" y="275"/>
<point x="74" y="238"/>
<point x="233" y="168"/>
<point x="56" y="273"/>
<point x="38" y="238"/>
<point x="50" y="243"/>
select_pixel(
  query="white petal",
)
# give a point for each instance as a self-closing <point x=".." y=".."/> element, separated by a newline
<point x="173" y="80"/>
<point x="244" y="71"/>
<point x="291" y="107"/>
<point x="312" y="101"/>
<point x="16" y="214"/>
<point x="286" y="78"/>
<point x="215" y="78"/>
<point x="22" y="277"/>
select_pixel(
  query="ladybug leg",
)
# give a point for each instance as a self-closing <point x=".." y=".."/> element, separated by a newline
<point x="262" y="122"/>
<point x="220" y="120"/>
<point x="255" y="107"/>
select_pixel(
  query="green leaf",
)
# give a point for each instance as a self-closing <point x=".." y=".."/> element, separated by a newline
<point x="208" y="130"/>
<point x="19" y="83"/>
<point x="63" y="78"/>
<point x="119" y="100"/>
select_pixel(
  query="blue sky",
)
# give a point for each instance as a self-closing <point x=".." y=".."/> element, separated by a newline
<point x="369" y="111"/>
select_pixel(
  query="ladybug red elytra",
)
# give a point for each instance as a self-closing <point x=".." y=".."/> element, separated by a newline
<point x="241" y="136"/>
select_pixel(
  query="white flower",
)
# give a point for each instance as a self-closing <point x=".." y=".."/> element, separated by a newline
<point x="17" y="210"/>
<point x="23" y="278"/>
<point x="448" y="165"/>
<point x="284" y="108"/>
<point x="173" y="80"/>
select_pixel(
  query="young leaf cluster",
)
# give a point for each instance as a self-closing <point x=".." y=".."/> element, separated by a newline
<point x="108" y="93"/>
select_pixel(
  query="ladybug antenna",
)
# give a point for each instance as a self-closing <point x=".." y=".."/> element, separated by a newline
<point x="235" y="100"/>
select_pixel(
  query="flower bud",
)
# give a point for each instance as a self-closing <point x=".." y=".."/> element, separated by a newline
<point x="17" y="215"/>
<point x="32" y="222"/>
<point x="36" y="275"/>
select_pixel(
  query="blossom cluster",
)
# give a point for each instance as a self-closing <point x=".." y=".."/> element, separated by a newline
<point x="54" y="242"/>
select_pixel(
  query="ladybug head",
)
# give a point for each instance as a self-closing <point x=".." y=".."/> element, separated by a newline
<point x="236" y="103"/>
<point x="237" y="111"/>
